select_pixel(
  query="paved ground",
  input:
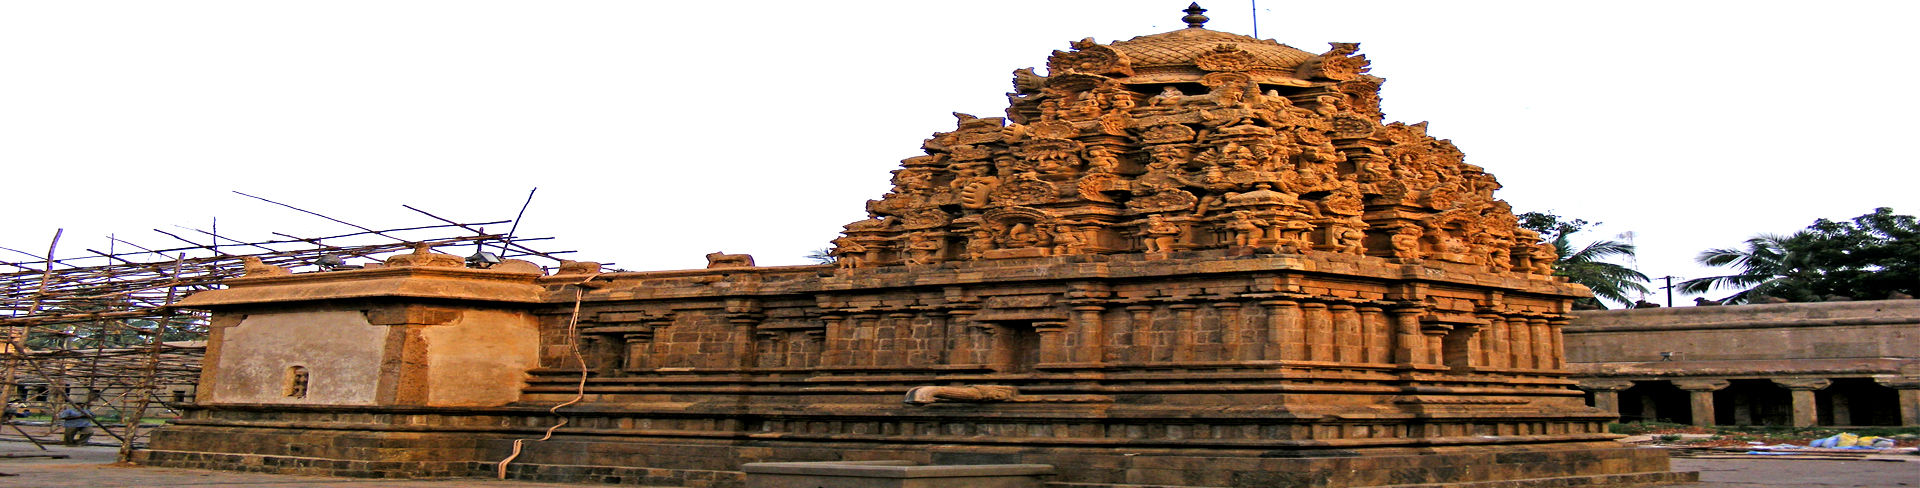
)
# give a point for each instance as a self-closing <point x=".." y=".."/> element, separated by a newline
<point x="1784" y="473"/>
<point x="92" y="467"/>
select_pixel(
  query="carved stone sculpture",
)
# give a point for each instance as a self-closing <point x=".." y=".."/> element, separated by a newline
<point x="971" y="393"/>
<point x="253" y="266"/>
<point x="724" y="260"/>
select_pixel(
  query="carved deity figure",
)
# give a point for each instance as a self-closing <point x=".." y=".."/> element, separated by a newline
<point x="1497" y="255"/>
<point x="847" y="253"/>
<point x="1164" y="170"/>
<point x="1347" y="239"/>
<point x="914" y="182"/>
<point x="1455" y="249"/>
<point x="979" y="243"/>
<point x="1406" y="243"/>
<point x="1293" y="234"/>
<point x="1122" y="102"/>
<point x="1160" y="234"/>
<point x="1066" y="240"/>
<point x="921" y="250"/>
<point x="1086" y="106"/>
<point x="1022" y="234"/>
<point x="1544" y="255"/>
<point x="1246" y="229"/>
<point x="1101" y="160"/>
<point x="1169" y="98"/>
<point x="923" y="395"/>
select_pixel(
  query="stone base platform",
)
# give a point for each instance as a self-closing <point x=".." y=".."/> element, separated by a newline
<point x="422" y="446"/>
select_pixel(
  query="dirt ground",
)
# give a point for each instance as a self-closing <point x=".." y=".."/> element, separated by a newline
<point x="92" y="467"/>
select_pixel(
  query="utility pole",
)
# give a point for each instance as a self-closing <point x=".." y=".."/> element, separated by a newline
<point x="1669" y="289"/>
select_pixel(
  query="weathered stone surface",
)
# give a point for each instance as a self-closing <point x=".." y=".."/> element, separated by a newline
<point x="1261" y="285"/>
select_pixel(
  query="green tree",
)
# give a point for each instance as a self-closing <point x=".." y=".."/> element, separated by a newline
<point x="1871" y="256"/>
<point x="1768" y="265"/>
<point x="1588" y="264"/>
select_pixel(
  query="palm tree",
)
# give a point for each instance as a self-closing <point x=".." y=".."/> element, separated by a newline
<point x="1770" y="265"/>
<point x="1586" y="266"/>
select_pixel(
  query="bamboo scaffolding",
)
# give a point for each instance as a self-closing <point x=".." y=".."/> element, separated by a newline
<point x="105" y="322"/>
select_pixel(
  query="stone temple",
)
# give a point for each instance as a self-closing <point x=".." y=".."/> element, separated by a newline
<point x="1189" y="259"/>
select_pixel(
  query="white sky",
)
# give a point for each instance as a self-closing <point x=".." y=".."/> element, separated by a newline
<point x="661" y="131"/>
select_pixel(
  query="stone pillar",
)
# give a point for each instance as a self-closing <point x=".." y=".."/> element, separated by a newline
<point x="1522" y="342"/>
<point x="1542" y="344"/>
<point x="772" y="349"/>
<point x="1232" y="329"/>
<point x="1183" y="330"/>
<point x="964" y="341"/>
<point x="1053" y="342"/>
<point x="1283" y="340"/>
<point x="838" y="340"/>
<point x="864" y="328"/>
<point x="1699" y="396"/>
<point x="1374" y="336"/>
<point x="1246" y="339"/>
<point x="1000" y="354"/>
<point x="1556" y="347"/>
<point x="1804" y="409"/>
<point x="1138" y="333"/>
<point x="1346" y="333"/>
<point x="1319" y="328"/>
<point x="815" y="349"/>
<point x="217" y="326"/>
<point x="1908" y="388"/>
<point x="1090" y="334"/>
<point x="1409" y="345"/>
<point x="1606" y="393"/>
<point x="1495" y="344"/>
<point x="932" y="349"/>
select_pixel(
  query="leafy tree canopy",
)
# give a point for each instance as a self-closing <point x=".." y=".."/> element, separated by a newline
<point x="1587" y="264"/>
<point x="1872" y="256"/>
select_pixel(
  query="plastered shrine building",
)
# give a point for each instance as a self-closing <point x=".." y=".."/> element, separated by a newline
<point x="1188" y="259"/>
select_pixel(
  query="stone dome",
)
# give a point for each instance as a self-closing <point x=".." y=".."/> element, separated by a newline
<point x="1185" y="55"/>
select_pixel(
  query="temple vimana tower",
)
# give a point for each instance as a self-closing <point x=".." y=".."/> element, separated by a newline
<point x="1188" y="259"/>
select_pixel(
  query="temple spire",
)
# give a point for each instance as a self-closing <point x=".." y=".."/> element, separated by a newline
<point x="1193" y="19"/>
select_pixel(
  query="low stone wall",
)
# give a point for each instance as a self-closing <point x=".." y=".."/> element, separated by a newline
<point x="1802" y="364"/>
<point x="1785" y="331"/>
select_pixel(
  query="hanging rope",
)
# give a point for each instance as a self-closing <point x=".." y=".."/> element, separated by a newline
<point x="580" y="393"/>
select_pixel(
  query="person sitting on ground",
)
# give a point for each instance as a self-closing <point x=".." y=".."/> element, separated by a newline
<point x="77" y="424"/>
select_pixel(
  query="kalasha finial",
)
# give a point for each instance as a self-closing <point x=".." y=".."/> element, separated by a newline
<point x="1193" y="19"/>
